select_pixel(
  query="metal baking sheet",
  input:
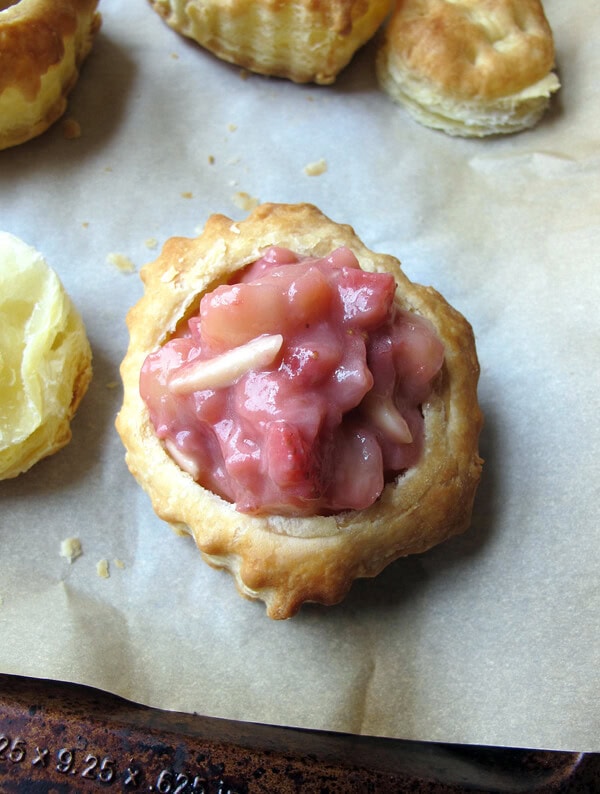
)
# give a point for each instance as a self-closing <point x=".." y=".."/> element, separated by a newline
<point x="58" y="737"/>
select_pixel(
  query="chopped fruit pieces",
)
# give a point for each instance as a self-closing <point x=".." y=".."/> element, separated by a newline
<point x="297" y="388"/>
<point x="224" y="370"/>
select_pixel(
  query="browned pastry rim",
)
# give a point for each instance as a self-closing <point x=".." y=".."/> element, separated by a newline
<point x="469" y="67"/>
<point x="288" y="561"/>
<point x="482" y="48"/>
<point x="43" y="43"/>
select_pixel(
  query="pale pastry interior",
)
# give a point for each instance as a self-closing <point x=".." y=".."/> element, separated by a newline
<point x="45" y="359"/>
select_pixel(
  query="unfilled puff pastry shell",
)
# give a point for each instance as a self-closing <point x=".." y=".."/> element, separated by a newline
<point x="302" y="40"/>
<point x="288" y="561"/>
<point x="469" y="67"/>
<point x="42" y="46"/>
<point x="45" y="359"/>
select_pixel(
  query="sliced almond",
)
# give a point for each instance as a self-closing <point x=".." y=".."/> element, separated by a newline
<point x="384" y="415"/>
<point x="185" y="462"/>
<point x="224" y="370"/>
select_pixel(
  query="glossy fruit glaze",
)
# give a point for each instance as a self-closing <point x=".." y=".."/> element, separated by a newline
<point x="296" y="389"/>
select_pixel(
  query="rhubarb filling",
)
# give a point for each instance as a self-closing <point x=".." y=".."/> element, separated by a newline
<point x="297" y="388"/>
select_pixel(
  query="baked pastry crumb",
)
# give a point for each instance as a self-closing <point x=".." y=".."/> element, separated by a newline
<point x="103" y="569"/>
<point x="71" y="549"/>
<point x="71" y="129"/>
<point x="317" y="168"/>
<point x="245" y="201"/>
<point x="121" y="262"/>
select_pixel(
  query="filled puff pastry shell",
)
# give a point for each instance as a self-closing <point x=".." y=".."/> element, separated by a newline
<point x="469" y="67"/>
<point x="42" y="46"/>
<point x="302" y="40"/>
<point x="288" y="560"/>
<point x="45" y="359"/>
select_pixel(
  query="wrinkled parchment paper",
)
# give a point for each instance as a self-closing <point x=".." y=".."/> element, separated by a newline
<point x="493" y="637"/>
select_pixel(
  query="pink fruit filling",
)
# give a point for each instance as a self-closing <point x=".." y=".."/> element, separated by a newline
<point x="297" y="389"/>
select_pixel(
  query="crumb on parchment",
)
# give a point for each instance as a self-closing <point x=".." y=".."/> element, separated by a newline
<point x="316" y="169"/>
<point x="102" y="569"/>
<point x="121" y="262"/>
<point x="71" y="549"/>
<point x="151" y="243"/>
<point x="71" y="129"/>
<point x="245" y="201"/>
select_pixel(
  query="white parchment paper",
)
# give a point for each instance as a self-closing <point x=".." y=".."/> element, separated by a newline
<point x="491" y="638"/>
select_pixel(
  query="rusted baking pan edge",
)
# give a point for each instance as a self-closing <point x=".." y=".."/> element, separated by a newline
<point x="63" y="738"/>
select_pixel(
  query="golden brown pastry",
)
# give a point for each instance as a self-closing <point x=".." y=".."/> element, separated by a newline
<point x="302" y="40"/>
<point x="287" y="557"/>
<point x="45" y="359"/>
<point x="43" y="43"/>
<point x="469" y="67"/>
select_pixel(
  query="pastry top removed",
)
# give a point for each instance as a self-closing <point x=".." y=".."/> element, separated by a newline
<point x="45" y="358"/>
<point x="473" y="49"/>
<point x="284" y="560"/>
<point x="301" y="40"/>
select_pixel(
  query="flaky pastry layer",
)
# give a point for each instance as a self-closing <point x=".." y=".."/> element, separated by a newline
<point x="45" y="359"/>
<point x="288" y="561"/>
<point x="469" y="67"/>
<point x="43" y="44"/>
<point x="302" y="40"/>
